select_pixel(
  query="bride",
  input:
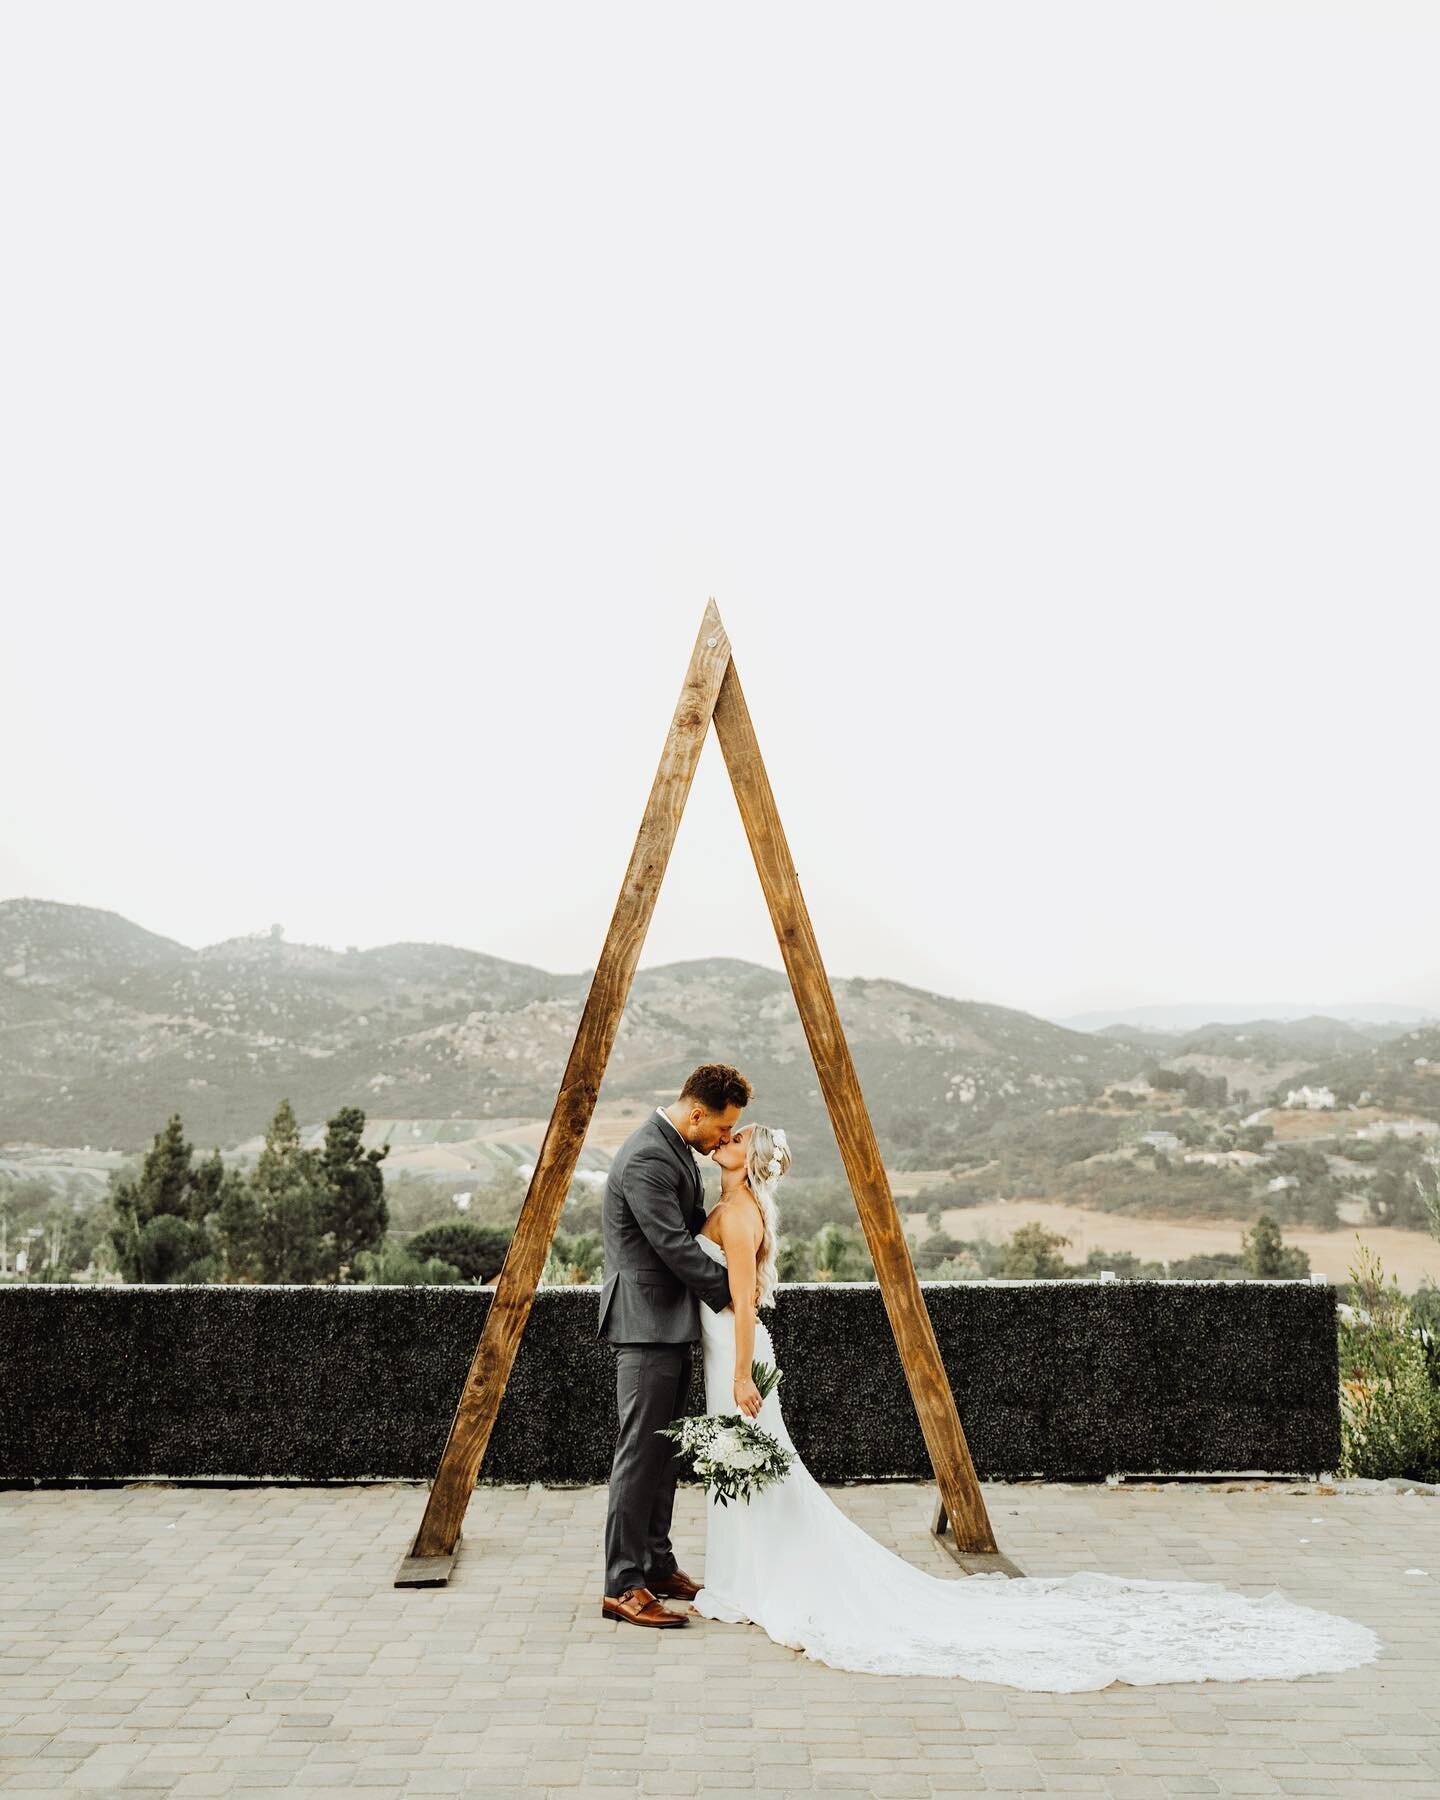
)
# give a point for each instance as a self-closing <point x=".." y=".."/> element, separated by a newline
<point x="791" y="1562"/>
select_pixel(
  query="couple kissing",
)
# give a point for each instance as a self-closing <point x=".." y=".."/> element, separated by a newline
<point x="665" y="1259"/>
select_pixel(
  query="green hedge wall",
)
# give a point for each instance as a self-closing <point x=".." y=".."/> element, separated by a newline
<point x="1068" y="1380"/>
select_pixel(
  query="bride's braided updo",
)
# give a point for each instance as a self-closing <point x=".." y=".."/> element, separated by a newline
<point x="767" y="1160"/>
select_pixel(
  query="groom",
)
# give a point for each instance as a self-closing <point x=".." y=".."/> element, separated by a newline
<point x="655" y="1276"/>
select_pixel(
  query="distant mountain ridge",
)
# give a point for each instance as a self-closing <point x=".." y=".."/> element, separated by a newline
<point x="1312" y="1036"/>
<point x="1191" y="1015"/>
<point x="106" y="1028"/>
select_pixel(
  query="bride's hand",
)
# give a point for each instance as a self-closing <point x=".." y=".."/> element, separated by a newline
<point x="747" y="1396"/>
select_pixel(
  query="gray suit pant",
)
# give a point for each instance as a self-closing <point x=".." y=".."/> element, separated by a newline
<point x="652" y="1384"/>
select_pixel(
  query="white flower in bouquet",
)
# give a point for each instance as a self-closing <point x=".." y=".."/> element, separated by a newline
<point x="731" y="1454"/>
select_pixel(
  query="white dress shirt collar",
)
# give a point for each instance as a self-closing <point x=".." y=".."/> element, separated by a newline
<point x="671" y="1123"/>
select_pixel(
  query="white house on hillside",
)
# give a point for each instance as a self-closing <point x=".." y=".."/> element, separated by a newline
<point x="1400" y="1128"/>
<point x="1317" y="1099"/>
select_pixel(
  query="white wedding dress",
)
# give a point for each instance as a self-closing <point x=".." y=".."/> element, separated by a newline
<point x="793" y="1563"/>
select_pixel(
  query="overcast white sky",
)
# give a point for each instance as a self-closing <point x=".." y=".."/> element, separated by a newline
<point x="1047" y="395"/>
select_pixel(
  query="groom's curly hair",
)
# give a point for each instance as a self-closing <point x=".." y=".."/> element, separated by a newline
<point x="716" y="1086"/>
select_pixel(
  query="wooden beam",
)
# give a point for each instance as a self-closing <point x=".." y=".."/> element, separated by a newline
<point x="909" y="1320"/>
<point x="560" y="1150"/>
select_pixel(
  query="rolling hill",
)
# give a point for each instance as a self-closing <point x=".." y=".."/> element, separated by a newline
<point x="106" y="1028"/>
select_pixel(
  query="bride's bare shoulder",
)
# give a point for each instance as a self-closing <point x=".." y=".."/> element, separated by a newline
<point x="737" y="1219"/>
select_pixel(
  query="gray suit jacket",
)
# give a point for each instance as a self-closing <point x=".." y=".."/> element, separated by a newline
<point x="654" y="1269"/>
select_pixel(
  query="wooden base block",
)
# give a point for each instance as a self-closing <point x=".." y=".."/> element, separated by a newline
<point x="976" y="1562"/>
<point x="427" y="1571"/>
<point x="973" y="1562"/>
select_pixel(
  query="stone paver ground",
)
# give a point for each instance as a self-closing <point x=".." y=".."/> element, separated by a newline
<point x="204" y="1641"/>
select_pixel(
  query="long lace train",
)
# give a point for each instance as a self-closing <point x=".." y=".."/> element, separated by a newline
<point x="793" y="1563"/>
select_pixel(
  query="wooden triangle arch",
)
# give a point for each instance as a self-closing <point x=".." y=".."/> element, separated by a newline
<point x="711" y="690"/>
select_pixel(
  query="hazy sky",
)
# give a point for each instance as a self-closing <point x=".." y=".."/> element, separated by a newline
<point x="1047" y="395"/>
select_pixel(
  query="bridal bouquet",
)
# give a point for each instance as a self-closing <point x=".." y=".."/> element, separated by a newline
<point x="730" y="1453"/>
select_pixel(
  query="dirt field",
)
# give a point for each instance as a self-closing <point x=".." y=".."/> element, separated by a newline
<point x="1408" y="1254"/>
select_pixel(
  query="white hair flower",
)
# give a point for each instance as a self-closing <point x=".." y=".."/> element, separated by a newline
<point x="779" y="1142"/>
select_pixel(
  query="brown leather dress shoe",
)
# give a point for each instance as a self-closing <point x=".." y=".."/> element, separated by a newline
<point x="677" y="1586"/>
<point x="638" y="1606"/>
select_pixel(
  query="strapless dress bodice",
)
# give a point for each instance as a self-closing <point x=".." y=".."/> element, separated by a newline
<point x="708" y="1243"/>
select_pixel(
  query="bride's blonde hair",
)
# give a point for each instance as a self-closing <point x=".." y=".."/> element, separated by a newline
<point x="767" y="1161"/>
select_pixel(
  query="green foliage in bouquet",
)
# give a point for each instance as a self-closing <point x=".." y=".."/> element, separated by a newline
<point x="765" y="1377"/>
<point x="730" y="1453"/>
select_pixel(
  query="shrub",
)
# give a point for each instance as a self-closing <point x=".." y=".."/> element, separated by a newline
<point x="476" y="1251"/>
<point x="1389" y="1408"/>
<point x="394" y="1265"/>
<point x="1033" y="1254"/>
<point x="962" y="1267"/>
<point x="935" y="1249"/>
<point x="834" y="1253"/>
<point x="574" y="1261"/>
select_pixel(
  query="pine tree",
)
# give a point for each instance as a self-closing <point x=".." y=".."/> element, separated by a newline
<point x="159" y="1229"/>
<point x="1265" y="1255"/>
<point x="165" y="1178"/>
<point x="288" y="1187"/>
<point x="353" y="1213"/>
<point x="237" y="1230"/>
<point x="234" y="1218"/>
